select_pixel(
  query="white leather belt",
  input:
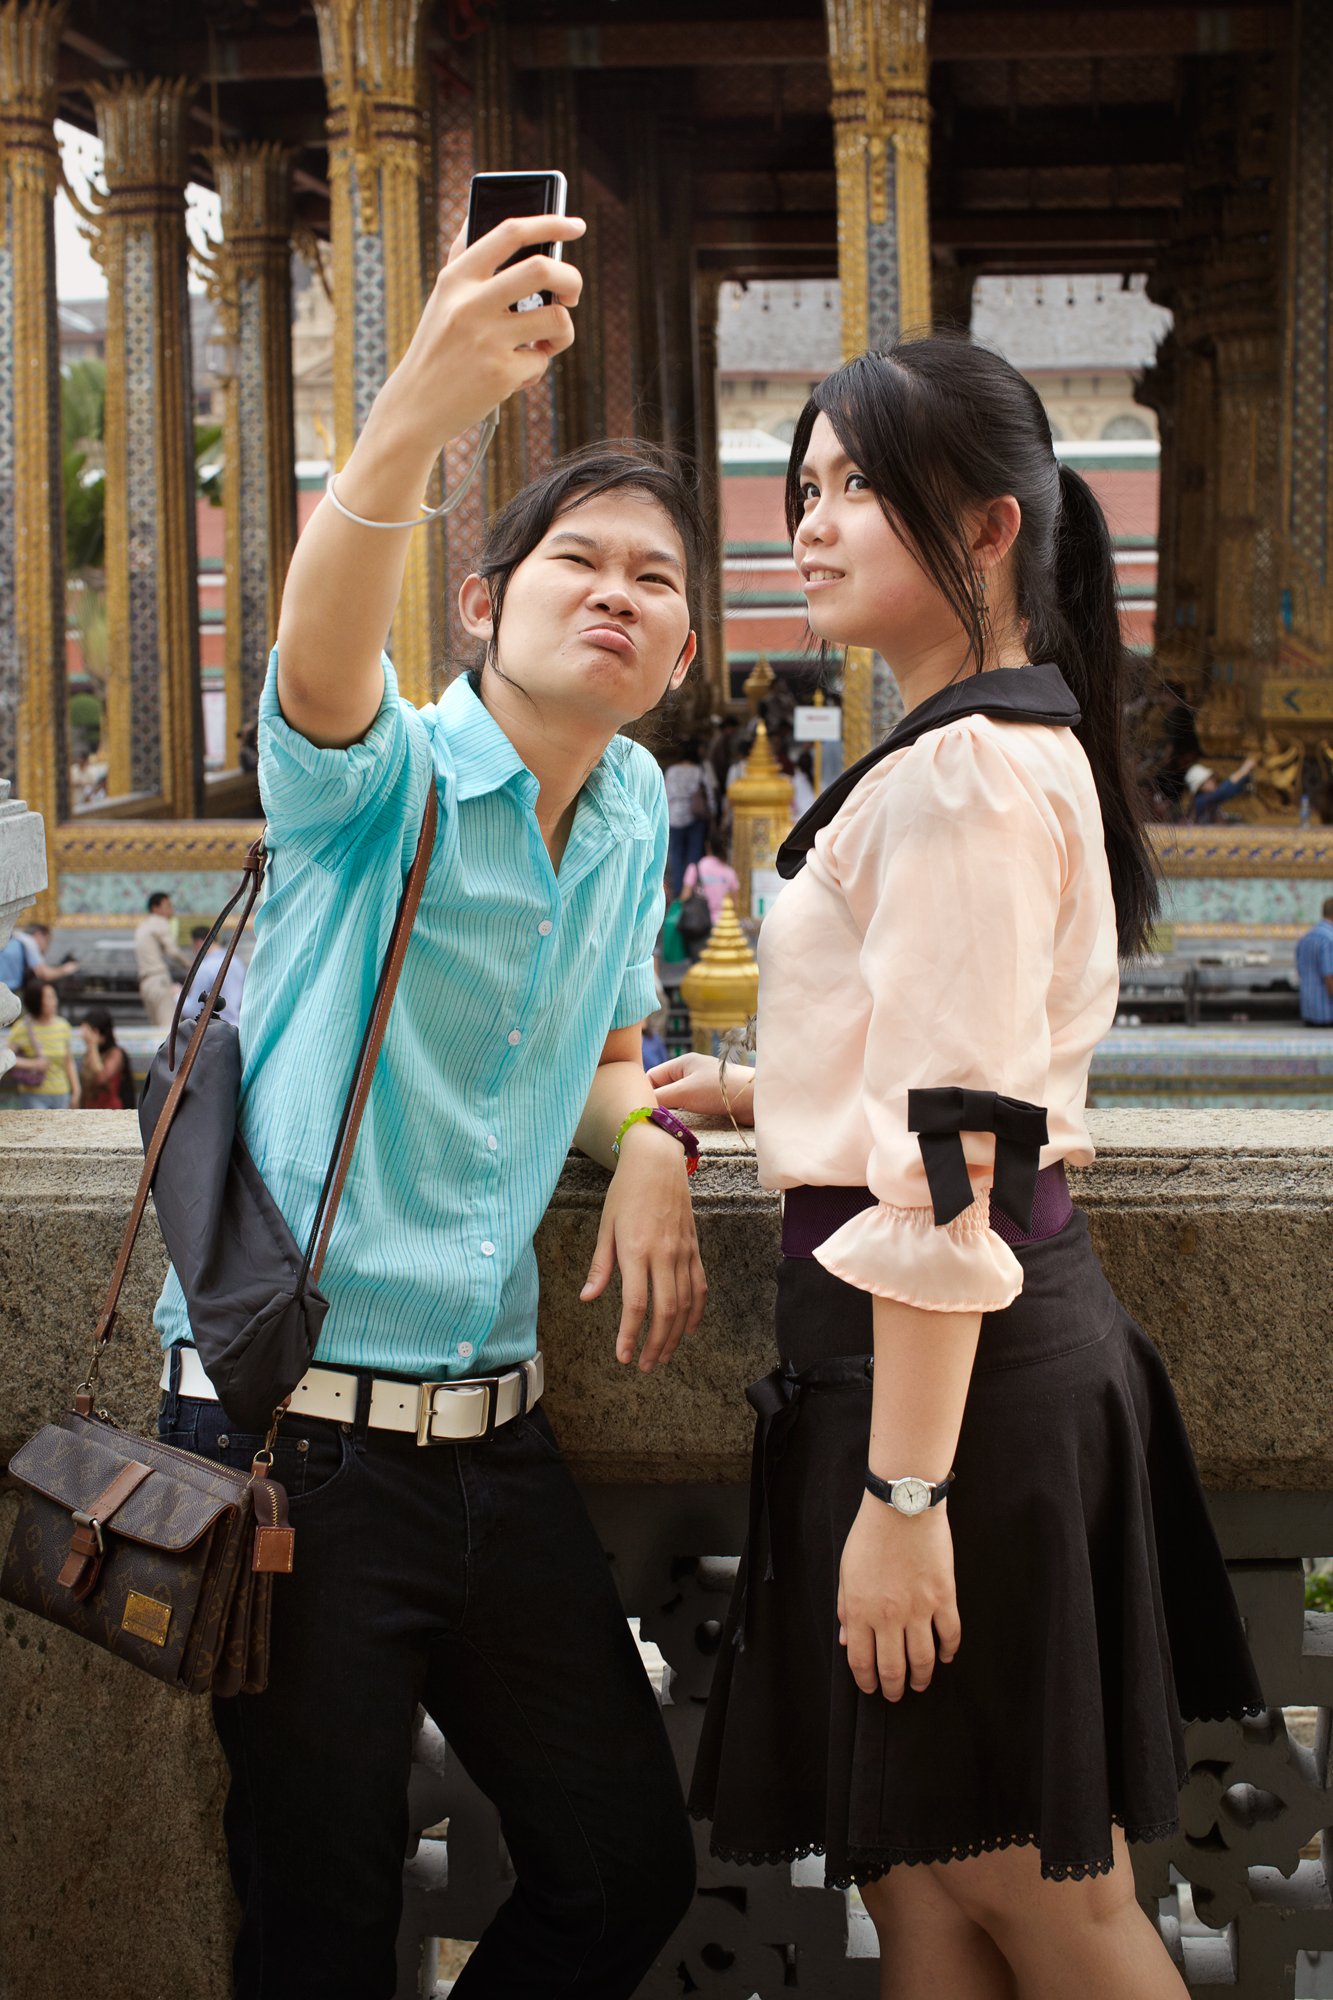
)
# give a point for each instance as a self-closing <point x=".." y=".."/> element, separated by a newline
<point x="432" y="1412"/>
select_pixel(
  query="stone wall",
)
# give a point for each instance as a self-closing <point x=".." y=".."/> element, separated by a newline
<point x="1217" y="1231"/>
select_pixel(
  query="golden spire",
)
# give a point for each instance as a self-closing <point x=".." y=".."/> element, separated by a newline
<point x="761" y="814"/>
<point x="758" y="682"/>
<point x="721" y="989"/>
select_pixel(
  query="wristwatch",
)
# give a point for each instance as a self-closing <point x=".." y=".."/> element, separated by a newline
<point x="909" y="1495"/>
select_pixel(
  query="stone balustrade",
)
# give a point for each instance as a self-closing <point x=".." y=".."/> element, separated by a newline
<point x="1217" y="1231"/>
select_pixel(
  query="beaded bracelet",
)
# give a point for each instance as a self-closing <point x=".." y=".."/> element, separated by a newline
<point x="668" y="1122"/>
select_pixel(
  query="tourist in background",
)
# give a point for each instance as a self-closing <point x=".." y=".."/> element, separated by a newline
<point x="714" y="876"/>
<point x="1314" y="967"/>
<point x="233" y="986"/>
<point x="157" y="960"/>
<point x="690" y="792"/>
<point x="43" y="1035"/>
<point x="982" y="1592"/>
<point x="1208" y="793"/>
<point x="104" y="1072"/>
<point x="24" y="958"/>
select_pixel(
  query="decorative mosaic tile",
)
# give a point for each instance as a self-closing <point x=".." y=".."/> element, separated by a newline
<point x="883" y="298"/>
<point x="10" y="660"/>
<point x="1242" y="900"/>
<point x="257" y="501"/>
<point x="141" y="455"/>
<point x="370" y="340"/>
<point x="196" y="894"/>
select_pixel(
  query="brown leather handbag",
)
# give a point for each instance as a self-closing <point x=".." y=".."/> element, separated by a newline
<point x="161" y="1556"/>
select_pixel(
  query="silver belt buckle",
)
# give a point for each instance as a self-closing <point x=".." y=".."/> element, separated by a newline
<point x="426" y="1408"/>
<point x="426" y="1412"/>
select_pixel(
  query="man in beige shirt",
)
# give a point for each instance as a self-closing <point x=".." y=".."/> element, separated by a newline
<point x="160" y="966"/>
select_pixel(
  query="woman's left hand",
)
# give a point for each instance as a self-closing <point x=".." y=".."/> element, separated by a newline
<point x="648" y="1230"/>
<point x="895" y="1596"/>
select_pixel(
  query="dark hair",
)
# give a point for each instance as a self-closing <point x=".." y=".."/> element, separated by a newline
<point x="100" y="1021"/>
<point x="938" y="425"/>
<point x="31" y="995"/>
<point x="628" y="465"/>
<point x="158" y="896"/>
<point x="1328" y="906"/>
<point x="199" y="933"/>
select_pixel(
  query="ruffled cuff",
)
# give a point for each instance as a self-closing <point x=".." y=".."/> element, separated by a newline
<point x="900" y="1253"/>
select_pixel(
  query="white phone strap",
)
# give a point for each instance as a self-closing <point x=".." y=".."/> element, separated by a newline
<point x="488" y="429"/>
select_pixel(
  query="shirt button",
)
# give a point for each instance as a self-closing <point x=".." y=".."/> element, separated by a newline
<point x="493" y="1143"/>
<point x="545" y="927"/>
<point x="465" y="1349"/>
<point x="515" y="1037"/>
<point x="488" y="1249"/>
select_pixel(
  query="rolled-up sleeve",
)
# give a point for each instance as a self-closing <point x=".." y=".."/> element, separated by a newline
<point x="952" y="874"/>
<point x="313" y="792"/>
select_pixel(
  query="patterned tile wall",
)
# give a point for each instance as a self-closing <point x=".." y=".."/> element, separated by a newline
<point x="141" y="441"/>
<point x="1242" y="900"/>
<point x="9" y="639"/>
<point x="252" y="442"/>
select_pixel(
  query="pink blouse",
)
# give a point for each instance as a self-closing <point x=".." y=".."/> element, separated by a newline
<point x="953" y="925"/>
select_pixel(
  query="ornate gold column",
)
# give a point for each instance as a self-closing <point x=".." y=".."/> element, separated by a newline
<point x="33" y="705"/>
<point x="878" y="62"/>
<point x="713" y="635"/>
<point x="259" y="469"/>
<point x="879" y="65"/>
<point x="1301" y="693"/>
<point x="379" y="164"/>
<point x="154" y="716"/>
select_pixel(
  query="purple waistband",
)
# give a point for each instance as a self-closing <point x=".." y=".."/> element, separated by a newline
<point x="811" y="1214"/>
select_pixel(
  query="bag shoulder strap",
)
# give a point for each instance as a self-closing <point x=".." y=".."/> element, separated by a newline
<point x="358" y="1090"/>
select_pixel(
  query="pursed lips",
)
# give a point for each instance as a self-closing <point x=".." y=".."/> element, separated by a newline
<point x="611" y="637"/>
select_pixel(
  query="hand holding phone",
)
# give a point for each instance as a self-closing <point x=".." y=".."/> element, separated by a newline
<point x="494" y="198"/>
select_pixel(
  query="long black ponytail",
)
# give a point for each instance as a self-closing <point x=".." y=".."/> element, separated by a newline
<point x="938" y="425"/>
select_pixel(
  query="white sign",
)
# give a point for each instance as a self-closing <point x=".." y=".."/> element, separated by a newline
<point x="817" y="725"/>
<point x="765" y="887"/>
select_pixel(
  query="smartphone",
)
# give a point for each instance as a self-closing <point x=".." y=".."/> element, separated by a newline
<point x="493" y="198"/>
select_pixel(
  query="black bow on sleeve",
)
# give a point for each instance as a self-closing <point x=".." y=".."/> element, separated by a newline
<point x="942" y="1116"/>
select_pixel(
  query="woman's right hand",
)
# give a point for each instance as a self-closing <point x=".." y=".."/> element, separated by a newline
<point x="691" y="1083"/>
<point x="469" y="353"/>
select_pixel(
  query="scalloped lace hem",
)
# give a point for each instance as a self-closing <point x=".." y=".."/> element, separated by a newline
<point x="870" y="1864"/>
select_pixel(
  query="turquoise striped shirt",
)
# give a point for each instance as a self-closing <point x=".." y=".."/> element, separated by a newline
<point x="513" y="979"/>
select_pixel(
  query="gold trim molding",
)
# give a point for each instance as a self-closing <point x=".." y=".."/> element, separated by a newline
<point x="1302" y="852"/>
<point x="110" y="847"/>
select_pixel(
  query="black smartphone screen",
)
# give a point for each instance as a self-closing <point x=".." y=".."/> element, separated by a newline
<point x="495" y="197"/>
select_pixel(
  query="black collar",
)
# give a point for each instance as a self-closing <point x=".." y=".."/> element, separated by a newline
<point x="1010" y="694"/>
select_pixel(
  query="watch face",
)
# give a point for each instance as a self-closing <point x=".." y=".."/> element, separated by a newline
<point x="911" y="1496"/>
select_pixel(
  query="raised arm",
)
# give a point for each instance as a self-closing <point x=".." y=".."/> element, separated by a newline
<point x="468" y="354"/>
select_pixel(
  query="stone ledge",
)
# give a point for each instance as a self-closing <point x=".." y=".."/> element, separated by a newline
<point x="1215" y="1227"/>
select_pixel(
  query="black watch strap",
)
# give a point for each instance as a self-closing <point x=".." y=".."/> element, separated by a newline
<point x="882" y="1489"/>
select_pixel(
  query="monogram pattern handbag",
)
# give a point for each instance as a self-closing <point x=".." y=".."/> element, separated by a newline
<point x="161" y="1556"/>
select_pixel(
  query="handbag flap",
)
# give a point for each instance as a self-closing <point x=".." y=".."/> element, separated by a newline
<point x="75" y="1462"/>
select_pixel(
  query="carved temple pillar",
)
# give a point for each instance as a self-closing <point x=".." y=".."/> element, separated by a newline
<point x="154" y="721"/>
<point x="1302" y="694"/>
<point x="383" y="255"/>
<point x="33" y="703"/>
<point x="712" y="637"/>
<point x="879" y="66"/>
<point x="259" y="467"/>
<point x="1243" y="637"/>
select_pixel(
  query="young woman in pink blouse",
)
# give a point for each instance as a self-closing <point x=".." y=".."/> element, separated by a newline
<point x="982" y="1589"/>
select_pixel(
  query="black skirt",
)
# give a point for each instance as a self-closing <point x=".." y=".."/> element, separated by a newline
<point x="1096" y="1609"/>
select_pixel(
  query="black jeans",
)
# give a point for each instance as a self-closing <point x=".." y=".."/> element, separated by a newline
<point x="467" y="1578"/>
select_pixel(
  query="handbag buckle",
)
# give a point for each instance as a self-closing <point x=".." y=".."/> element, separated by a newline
<point x="91" y="1522"/>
